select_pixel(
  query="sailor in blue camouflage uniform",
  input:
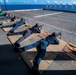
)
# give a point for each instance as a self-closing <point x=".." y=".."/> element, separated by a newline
<point x="41" y="47"/>
<point x="26" y="33"/>
<point x="15" y="25"/>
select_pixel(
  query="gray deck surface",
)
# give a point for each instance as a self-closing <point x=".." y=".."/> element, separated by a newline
<point x="55" y="21"/>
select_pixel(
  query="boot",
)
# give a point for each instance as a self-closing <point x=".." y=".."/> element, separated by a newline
<point x="20" y="50"/>
<point x="11" y="31"/>
<point x="1" y="23"/>
<point x="17" y="44"/>
<point x="36" y="70"/>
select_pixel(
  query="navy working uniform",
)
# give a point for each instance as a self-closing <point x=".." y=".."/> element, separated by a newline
<point x="41" y="47"/>
<point x="15" y="25"/>
<point x="12" y="19"/>
<point x="7" y="16"/>
<point x="35" y="29"/>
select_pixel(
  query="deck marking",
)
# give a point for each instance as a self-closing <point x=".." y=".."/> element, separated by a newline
<point x="69" y="54"/>
<point x="63" y="19"/>
<point x="53" y="26"/>
<point x="48" y="24"/>
<point x="47" y="14"/>
<point x="23" y="10"/>
<point x="54" y="17"/>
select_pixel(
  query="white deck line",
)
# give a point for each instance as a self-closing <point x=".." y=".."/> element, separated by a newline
<point x="47" y="14"/>
<point x="50" y="25"/>
<point x="44" y="15"/>
<point x="23" y="10"/>
<point x="53" y="26"/>
<point x="64" y="20"/>
<point x="54" y="17"/>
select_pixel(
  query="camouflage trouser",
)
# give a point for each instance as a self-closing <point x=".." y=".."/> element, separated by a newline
<point x="15" y="26"/>
<point x="25" y="33"/>
<point x="41" y="46"/>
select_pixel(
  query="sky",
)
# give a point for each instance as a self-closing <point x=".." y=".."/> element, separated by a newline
<point x="41" y="1"/>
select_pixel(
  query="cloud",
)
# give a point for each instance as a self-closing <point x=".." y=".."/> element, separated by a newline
<point x="73" y="2"/>
<point x="35" y="1"/>
<point x="48" y="1"/>
<point x="1" y="0"/>
<point x="55" y="1"/>
<point x="6" y="0"/>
